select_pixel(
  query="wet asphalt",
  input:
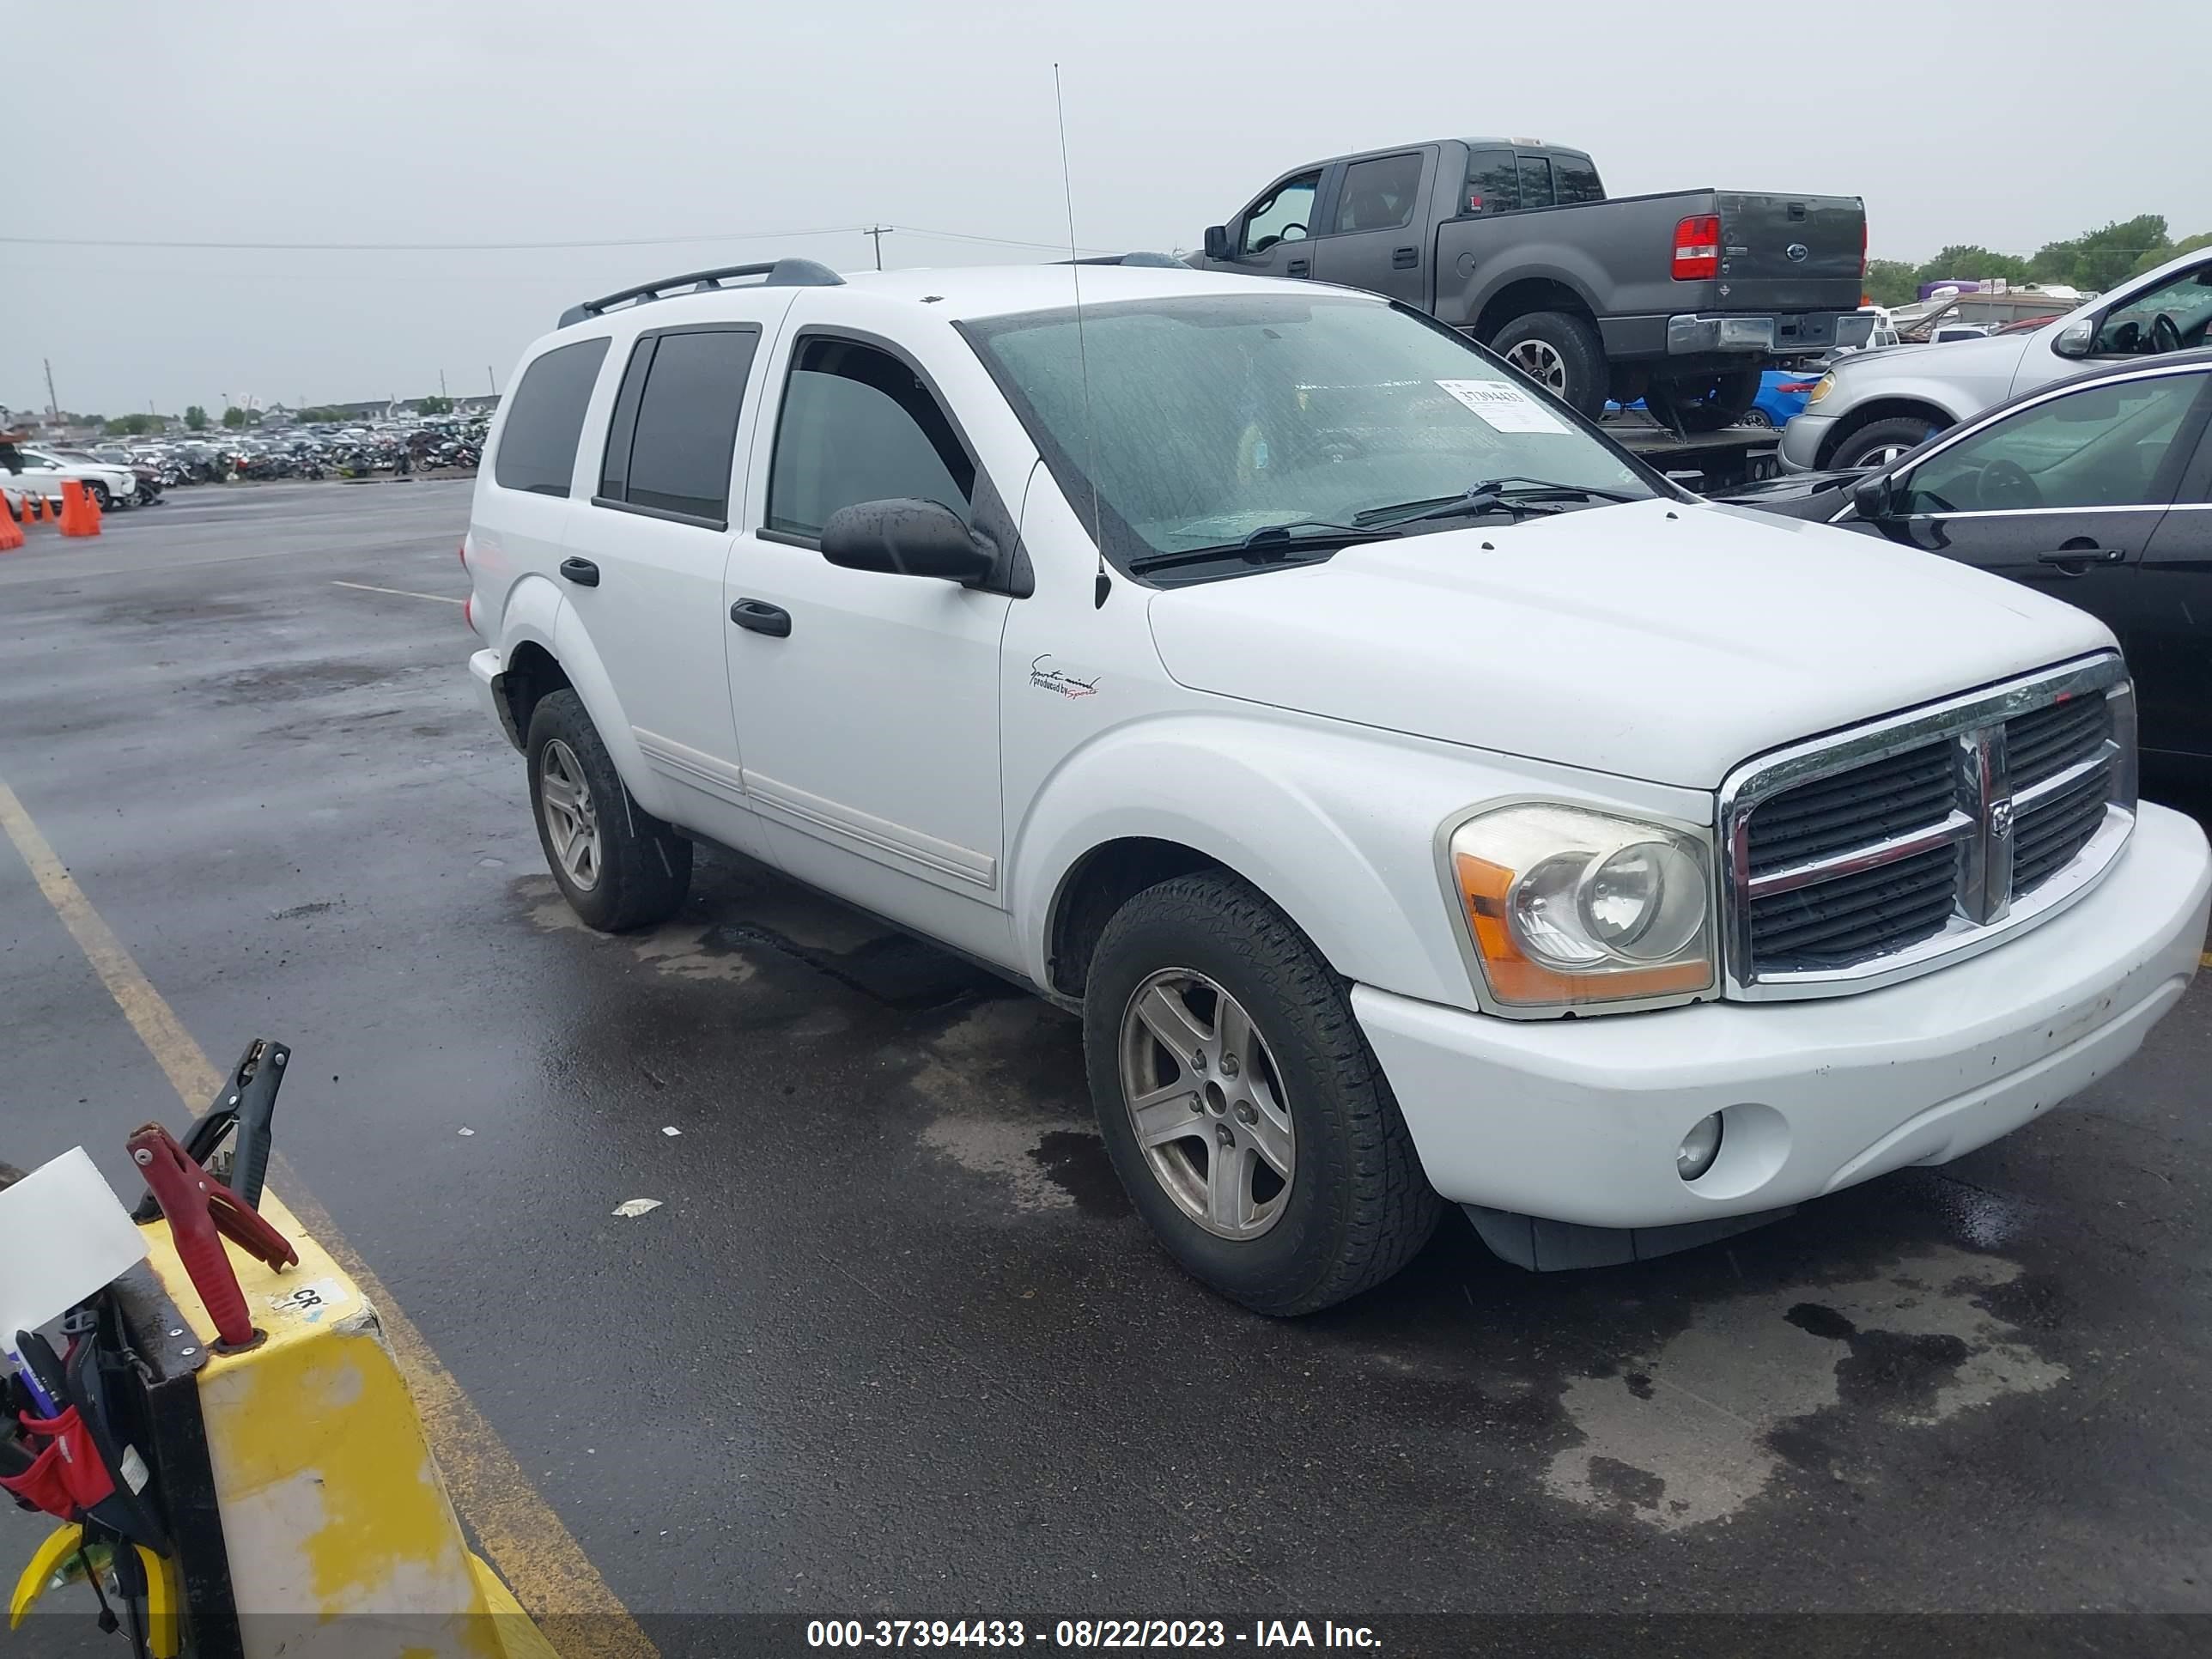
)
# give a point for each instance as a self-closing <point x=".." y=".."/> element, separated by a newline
<point x="893" y="1340"/>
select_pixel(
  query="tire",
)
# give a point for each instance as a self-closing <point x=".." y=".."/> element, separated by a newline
<point x="637" y="869"/>
<point x="99" y="493"/>
<point x="1880" y="442"/>
<point x="1356" y="1206"/>
<point x="1706" y="402"/>
<point x="1560" y="352"/>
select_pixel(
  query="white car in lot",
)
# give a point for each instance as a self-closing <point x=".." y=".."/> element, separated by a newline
<point x="1869" y="410"/>
<point x="45" y="472"/>
<point x="1418" y="799"/>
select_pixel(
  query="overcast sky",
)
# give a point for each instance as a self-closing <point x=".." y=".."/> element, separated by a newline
<point x="539" y="121"/>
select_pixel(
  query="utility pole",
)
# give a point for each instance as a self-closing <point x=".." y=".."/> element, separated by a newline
<point x="441" y="383"/>
<point x="53" y="405"/>
<point x="876" y="232"/>
<point x="491" y="380"/>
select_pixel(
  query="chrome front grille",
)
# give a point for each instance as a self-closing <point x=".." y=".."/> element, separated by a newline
<point x="1866" y="857"/>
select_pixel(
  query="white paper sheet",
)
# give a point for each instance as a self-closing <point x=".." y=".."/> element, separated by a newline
<point x="63" y="1235"/>
<point x="1504" y="406"/>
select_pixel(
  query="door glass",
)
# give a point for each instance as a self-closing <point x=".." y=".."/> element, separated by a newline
<point x="686" y="423"/>
<point x="1284" y="217"/>
<point x="859" y="425"/>
<point x="2103" y="446"/>
<point x="1535" y="182"/>
<point x="2184" y="301"/>
<point x="1492" y="184"/>
<point x="1378" y="195"/>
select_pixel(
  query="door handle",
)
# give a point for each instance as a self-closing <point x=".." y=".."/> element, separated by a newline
<point x="1300" y="267"/>
<point x="1404" y="259"/>
<point x="2074" y="558"/>
<point x="759" y="616"/>
<point x="582" y="572"/>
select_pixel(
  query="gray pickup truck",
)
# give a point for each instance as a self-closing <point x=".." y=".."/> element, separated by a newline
<point x="1679" y="298"/>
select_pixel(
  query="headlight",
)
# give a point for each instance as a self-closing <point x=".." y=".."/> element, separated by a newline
<point x="1821" y="388"/>
<point x="1567" y="907"/>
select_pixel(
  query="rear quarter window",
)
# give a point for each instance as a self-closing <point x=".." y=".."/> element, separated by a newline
<point x="545" y="418"/>
<point x="1576" y="179"/>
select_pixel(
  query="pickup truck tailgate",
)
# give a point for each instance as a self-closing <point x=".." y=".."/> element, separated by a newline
<point x="1792" y="253"/>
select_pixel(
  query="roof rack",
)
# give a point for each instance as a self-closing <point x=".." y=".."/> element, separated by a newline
<point x="1166" y="261"/>
<point x="779" y="273"/>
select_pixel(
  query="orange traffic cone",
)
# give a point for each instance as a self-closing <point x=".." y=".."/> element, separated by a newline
<point x="79" y="514"/>
<point x="11" y="533"/>
<point x="89" y="524"/>
<point x="35" y="508"/>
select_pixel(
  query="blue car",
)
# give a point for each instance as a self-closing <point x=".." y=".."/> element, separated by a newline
<point x="1781" y="393"/>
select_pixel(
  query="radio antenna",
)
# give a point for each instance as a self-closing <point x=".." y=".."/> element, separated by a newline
<point x="1104" y="584"/>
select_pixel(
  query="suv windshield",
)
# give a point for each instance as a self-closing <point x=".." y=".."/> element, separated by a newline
<point x="1210" y="419"/>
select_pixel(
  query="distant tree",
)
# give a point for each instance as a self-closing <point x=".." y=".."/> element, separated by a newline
<point x="233" y="417"/>
<point x="433" y="404"/>
<point x="2099" y="258"/>
<point x="322" y="413"/>
<point x="2159" y="256"/>
<point x="133" y="426"/>
<point x="1891" y="282"/>
<point x="195" y="418"/>
<point x="1973" y="264"/>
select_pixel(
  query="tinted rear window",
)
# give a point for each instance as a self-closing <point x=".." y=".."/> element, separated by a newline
<point x="1576" y="176"/>
<point x="676" y="422"/>
<point x="545" y="418"/>
<point x="1491" y="184"/>
<point x="1535" y="182"/>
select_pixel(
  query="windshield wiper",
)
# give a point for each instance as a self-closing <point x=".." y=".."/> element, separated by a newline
<point x="1514" y="494"/>
<point x="1272" y="544"/>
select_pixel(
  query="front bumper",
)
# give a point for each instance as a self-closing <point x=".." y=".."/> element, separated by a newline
<point x="1699" y="333"/>
<point x="1802" y="438"/>
<point x="1578" y="1121"/>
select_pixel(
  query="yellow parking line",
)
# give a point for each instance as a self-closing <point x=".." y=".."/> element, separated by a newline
<point x="397" y="592"/>
<point x="540" y="1560"/>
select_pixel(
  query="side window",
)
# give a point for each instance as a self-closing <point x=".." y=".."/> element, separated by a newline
<point x="1576" y="176"/>
<point x="1378" y="195"/>
<point x="538" y="442"/>
<point x="1494" y="185"/>
<point x="859" y="425"/>
<point x="1284" y="217"/>
<point x="2103" y="446"/>
<point x="1535" y="182"/>
<point x="676" y="422"/>
<point x="2184" y="300"/>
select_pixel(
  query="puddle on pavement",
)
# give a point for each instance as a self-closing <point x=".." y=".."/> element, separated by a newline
<point x="1693" y="1431"/>
<point x="1007" y="1081"/>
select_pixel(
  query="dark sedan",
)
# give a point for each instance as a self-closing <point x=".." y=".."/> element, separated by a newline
<point x="2097" y="490"/>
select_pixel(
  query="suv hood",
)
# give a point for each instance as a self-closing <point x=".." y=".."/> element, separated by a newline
<point x="1657" y="640"/>
<point x="1992" y="354"/>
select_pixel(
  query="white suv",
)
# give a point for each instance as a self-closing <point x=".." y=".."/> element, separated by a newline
<point x="1271" y="676"/>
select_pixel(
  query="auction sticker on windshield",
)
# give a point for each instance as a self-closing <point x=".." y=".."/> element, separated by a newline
<point x="1504" y="406"/>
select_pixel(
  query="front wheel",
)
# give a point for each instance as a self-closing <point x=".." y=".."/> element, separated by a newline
<point x="1241" y="1105"/>
<point x="618" y="866"/>
<point x="100" y="495"/>
<point x="1880" y="442"/>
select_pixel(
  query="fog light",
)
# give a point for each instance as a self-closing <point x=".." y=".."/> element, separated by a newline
<point x="1699" y="1148"/>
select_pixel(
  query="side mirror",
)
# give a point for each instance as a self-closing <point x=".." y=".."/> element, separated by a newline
<point x="1216" y="241"/>
<point x="907" y="538"/>
<point x="2075" y="338"/>
<point x="1874" y="496"/>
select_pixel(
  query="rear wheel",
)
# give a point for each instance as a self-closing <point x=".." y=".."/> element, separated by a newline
<point x="1560" y="352"/>
<point x="1706" y="403"/>
<point x="1241" y="1105"/>
<point x="618" y="866"/>
<point x="1880" y="442"/>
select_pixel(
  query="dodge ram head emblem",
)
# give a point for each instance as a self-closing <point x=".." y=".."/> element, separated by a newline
<point x="1798" y="252"/>
<point x="2000" y="820"/>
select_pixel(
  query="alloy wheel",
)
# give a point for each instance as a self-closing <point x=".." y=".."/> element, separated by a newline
<point x="1540" y="360"/>
<point x="572" y="821"/>
<point x="1206" y="1102"/>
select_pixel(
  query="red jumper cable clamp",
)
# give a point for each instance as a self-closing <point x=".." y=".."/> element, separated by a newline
<point x="199" y="1208"/>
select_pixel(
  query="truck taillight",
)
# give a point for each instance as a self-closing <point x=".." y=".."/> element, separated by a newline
<point x="1697" y="248"/>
